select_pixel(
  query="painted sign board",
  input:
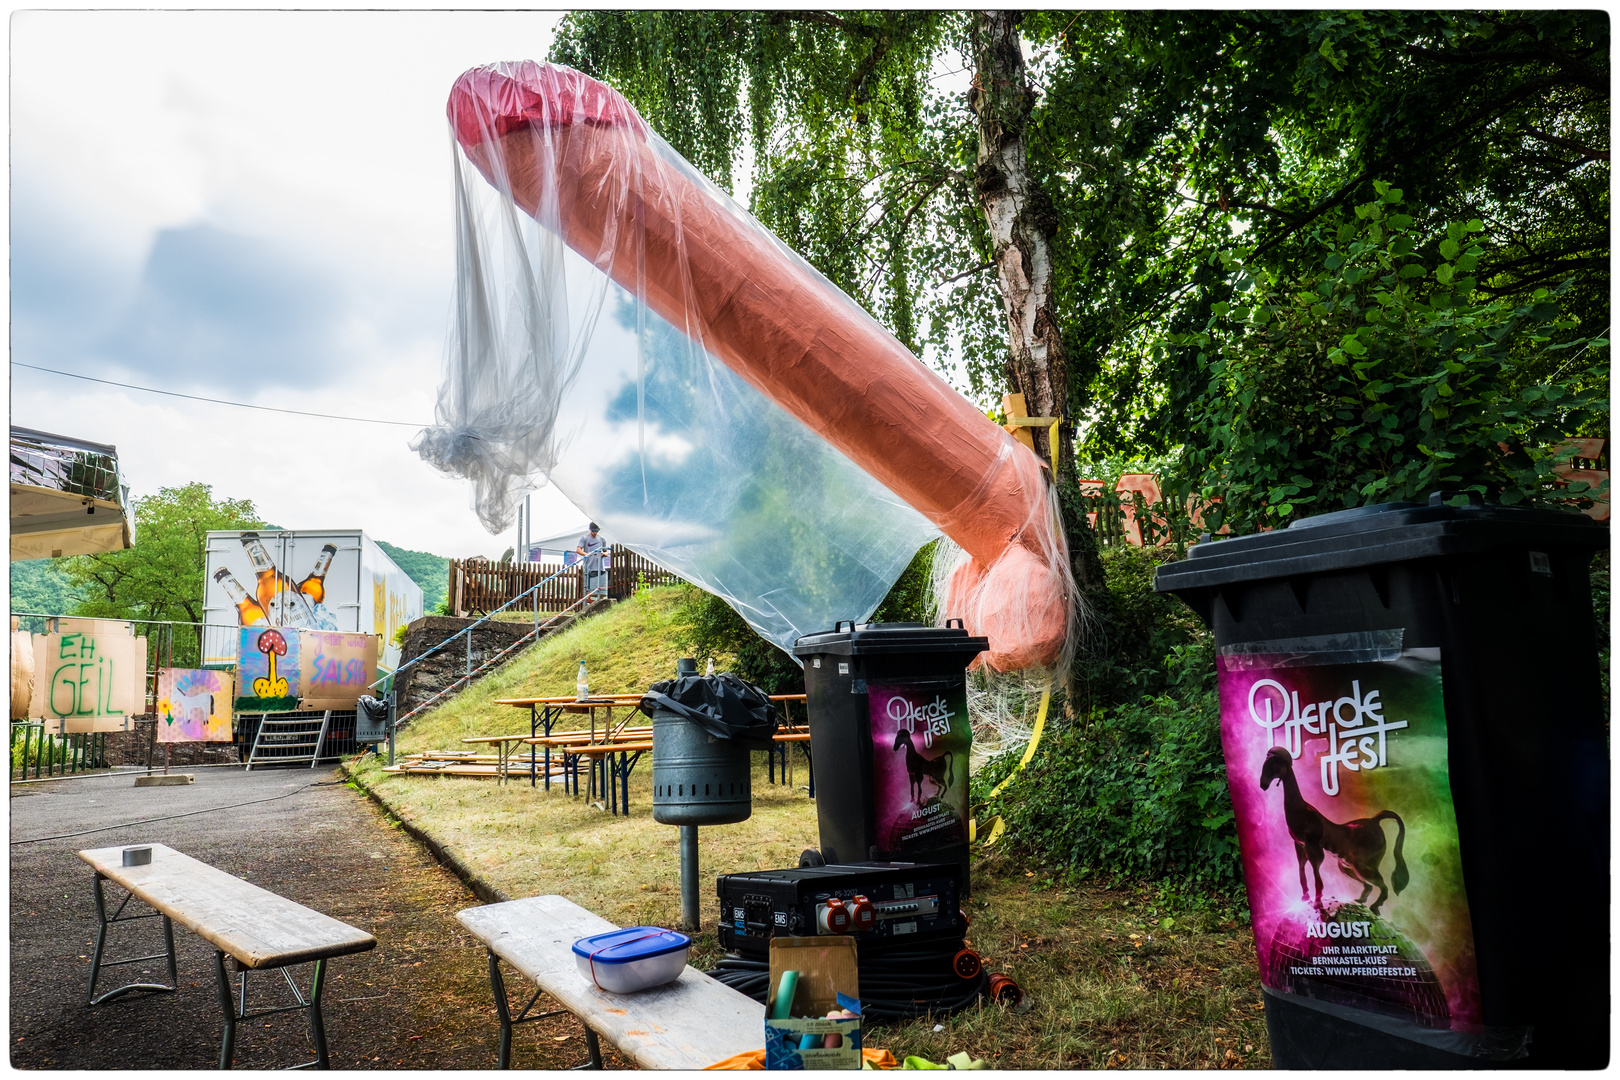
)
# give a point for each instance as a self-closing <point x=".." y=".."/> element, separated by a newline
<point x="1337" y="757"/>
<point x="283" y="670"/>
<point x="334" y="669"/>
<point x="194" y="705"/>
<point x="336" y="580"/>
<point x="88" y="681"/>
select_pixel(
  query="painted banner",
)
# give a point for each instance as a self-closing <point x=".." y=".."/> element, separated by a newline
<point x="88" y="681"/>
<point x="1336" y="753"/>
<point x="267" y="673"/>
<point x="920" y="744"/>
<point x="334" y="669"/>
<point x="194" y="705"/>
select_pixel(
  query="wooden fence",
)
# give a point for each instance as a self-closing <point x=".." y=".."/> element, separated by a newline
<point x="477" y="586"/>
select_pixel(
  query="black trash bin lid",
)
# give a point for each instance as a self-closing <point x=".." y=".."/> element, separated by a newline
<point x="874" y="639"/>
<point x="1372" y="535"/>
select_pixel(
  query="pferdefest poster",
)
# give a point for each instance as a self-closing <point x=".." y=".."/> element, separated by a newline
<point x="1337" y="760"/>
<point x="921" y="738"/>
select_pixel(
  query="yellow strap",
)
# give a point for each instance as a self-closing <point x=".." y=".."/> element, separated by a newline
<point x="1034" y="741"/>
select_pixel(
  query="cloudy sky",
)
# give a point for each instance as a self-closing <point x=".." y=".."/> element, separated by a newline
<point x="254" y="206"/>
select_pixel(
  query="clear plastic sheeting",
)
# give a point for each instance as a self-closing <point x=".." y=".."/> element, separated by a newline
<point x="557" y="372"/>
<point x="629" y="332"/>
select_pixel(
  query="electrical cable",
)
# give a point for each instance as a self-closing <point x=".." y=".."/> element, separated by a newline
<point x="215" y="401"/>
<point x="172" y="817"/>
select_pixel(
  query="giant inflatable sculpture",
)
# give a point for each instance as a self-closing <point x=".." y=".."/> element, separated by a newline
<point x="572" y="155"/>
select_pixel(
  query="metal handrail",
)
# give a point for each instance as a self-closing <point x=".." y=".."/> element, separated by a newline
<point x="469" y="629"/>
<point x="394" y="719"/>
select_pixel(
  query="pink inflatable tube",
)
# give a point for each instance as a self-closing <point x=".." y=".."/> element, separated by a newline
<point x="573" y="154"/>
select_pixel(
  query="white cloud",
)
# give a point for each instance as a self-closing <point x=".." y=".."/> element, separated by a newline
<point x="253" y="205"/>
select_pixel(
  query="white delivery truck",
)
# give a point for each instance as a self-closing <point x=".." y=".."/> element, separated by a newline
<point x="317" y="579"/>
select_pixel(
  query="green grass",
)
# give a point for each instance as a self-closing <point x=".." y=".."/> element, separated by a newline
<point x="1178" y="995"/>
<point x="626" y="648"/>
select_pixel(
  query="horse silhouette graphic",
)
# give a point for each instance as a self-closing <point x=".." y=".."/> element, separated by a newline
<point x="1359" y="844"/>
<point x="918" y="767"/>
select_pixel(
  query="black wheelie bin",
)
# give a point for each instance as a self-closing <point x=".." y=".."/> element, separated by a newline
<point x="1412" y="722"/>
<point x="889" y="738"/>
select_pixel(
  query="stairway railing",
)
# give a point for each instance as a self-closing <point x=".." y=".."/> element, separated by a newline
<point x="395" y="721"/>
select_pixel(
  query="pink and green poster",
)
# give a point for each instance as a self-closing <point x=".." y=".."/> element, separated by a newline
<point x="920" y="743"/>
<point x="1336" y="753"/>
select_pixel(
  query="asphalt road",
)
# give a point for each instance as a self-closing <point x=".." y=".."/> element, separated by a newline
<point x="421" y="999"/>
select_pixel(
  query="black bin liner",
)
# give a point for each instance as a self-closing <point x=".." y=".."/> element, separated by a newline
<point x="723" y="705"/>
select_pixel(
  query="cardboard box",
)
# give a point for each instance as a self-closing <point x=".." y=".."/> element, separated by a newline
<point x="828" y="971"/>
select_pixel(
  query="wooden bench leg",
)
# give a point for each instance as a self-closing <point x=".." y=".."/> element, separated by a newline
<point x="236" y="1012"/>
<point x="97" y="962"/>
<point x="503" y="1055"/>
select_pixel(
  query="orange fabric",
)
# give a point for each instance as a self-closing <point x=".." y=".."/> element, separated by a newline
<point x="755" y="1059"/>
<point x="787" y="331"/>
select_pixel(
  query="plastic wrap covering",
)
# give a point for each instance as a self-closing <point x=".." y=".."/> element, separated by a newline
<point x="796" y="475"/>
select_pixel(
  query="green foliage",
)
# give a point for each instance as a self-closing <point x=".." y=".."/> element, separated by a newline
<point x="1157" y="135"/>
<point x="709" y="629"/>
<point x="431" y="572"/>
<point x="1132" y="784"/>
<point x="1136" y="628"/>
<point x="908" y="600"/>
<point x="161" y="577"/>
<point x="1267" y="122"/>
<point x="1380" y="373"/>
<point x="1138" y="791"/>
<point x="41" y="585"/>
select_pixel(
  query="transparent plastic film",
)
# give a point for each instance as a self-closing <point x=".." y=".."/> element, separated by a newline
<point x="629" y="332"/>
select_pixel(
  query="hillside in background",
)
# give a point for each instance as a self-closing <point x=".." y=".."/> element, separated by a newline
<point x="40" y="587"/>
<point x="432" y="572"/>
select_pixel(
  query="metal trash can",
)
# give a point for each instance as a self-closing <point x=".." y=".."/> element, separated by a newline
<point x="703" y="730"/>
<point x="890" y="737"/>
<point x="1414" y="738"/>
<point x="370" y="720"/>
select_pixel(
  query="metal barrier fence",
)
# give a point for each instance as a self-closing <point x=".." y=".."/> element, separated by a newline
<point x="35" y="754"/>
<point x="339" y="741"/>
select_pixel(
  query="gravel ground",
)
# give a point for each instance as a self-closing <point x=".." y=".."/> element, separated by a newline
<point x="421" y="999"/>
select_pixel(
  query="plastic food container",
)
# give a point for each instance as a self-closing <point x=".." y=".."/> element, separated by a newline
<point x="636" y="958"/>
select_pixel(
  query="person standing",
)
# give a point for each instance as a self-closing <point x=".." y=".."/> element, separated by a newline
<point x="590" y="549"/>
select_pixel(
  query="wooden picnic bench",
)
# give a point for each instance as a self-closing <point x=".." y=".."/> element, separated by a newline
<point x="612" y="762"/>
<point x="257" y="929"/>
<point x="690" y="1023"/>
<point x="544" y="712"/>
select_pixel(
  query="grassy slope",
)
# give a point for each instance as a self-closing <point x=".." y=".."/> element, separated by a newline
<point x="625" y="649"/>
<point x="1182" y="996"/>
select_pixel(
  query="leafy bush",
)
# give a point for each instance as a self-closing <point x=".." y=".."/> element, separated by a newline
<point x="1384" y="374"/>
<point x="1133" y="783"/>
<point x="1137" y="791"/>
<point x="1132" y="630"/>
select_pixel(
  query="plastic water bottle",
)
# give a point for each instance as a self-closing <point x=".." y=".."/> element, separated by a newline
<point x="711" y="667"/>
<point x="582" y="688"/>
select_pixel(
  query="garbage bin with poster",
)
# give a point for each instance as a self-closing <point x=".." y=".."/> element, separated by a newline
<point x="890" y="737"/>
<point x="1412" y="724"/>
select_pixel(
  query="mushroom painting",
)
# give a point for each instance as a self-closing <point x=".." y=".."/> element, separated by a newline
<point x="272" y="644"/>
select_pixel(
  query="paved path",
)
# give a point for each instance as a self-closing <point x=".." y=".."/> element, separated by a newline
<point x="419" y="1000"/>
